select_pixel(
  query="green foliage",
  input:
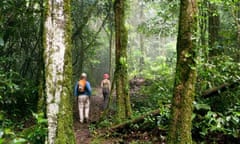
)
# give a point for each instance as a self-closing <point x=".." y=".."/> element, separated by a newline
<point x="151" y="122"/>
<point x="139" y="142"/>
<point x="217" y="117"/>
<point x="220" y="70"/>
<point x="1" y="40"/>
<point x="20" y="56"/>
<point x="17" y="95"/>
<point x="158" y="86"/>
<point x="92" y="23"/>
<point x="106" y="122"/>
<point x="38" y="132"/>
<point x="164" y="22"/>
<point x="163" y="118"/>
<point x="10" y="132"/>
<point x="207" y="122"/>
<point x="8" y="136"/>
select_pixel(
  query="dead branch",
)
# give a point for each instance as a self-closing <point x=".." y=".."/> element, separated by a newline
<point x="216" y="90"/>
<point x="134" y="121"/>
<point x="206" y="94"/>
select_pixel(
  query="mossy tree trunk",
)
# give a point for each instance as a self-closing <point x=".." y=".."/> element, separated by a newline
<point x="203" y="25"/>
<point x="213" y="29"/>
<point x="237" y="18"/>
<point x="121" y="74"/>
<point x="58" y="71"/>
<point x="185" y="78"/>
<point x="41" y="77"/>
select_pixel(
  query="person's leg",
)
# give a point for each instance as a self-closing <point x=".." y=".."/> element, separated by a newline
<point x="106" y="100"/>
<point x="87" y="107"/>
<point x="106" y="95"/>
<point x="80" y="107"/>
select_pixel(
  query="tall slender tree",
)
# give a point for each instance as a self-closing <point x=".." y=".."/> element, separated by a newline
<point x="141" y="39"/>
<point x="213" y="28"/>
<point x="121" y="74"/>
<point x="185" y="78"/>
<point x="58" y="71"/>
<point x="236" y="14"/>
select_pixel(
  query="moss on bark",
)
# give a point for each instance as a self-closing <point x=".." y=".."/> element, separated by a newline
<point x="59" y="81"/>
<point x="65" y="132"/>
<point x="184" y="89"/>
<point x="121" y="36"/>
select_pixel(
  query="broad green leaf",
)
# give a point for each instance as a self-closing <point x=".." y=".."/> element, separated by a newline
<point x="19" y="141"/>
<point x="1" y="41"/>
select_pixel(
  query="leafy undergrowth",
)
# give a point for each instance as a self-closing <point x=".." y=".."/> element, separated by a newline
<point x="31" y="130"/>
<point x="210" y="124"/>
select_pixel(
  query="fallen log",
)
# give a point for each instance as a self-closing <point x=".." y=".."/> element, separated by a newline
<point x="206" y="94"/>
<point x="134" y="121"/>
<point x="216" y="90"/>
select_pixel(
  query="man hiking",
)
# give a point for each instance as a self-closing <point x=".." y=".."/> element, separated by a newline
<point x="83" y="91"/>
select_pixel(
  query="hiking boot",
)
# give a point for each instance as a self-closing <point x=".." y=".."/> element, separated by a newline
<point x="86" y="120"/>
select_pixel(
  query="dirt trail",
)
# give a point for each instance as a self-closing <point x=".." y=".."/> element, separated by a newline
<point x="82" y="132"/>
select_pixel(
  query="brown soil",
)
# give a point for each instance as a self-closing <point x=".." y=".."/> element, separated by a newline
<point x="82" y="133"/>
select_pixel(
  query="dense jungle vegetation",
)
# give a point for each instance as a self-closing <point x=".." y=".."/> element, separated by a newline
<point x="174" y="67"/>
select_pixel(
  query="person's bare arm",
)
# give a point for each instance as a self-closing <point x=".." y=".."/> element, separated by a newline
<point x="109" y="83"/>
<point x="102" y="83"/>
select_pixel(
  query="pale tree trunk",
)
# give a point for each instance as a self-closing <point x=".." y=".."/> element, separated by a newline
<point x="185" y="78"/>
<point x="141" y="39"/>
<point x="121" y="75"/>
<point x="58" y="71"/>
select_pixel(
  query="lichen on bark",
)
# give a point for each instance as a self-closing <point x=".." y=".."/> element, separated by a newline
<point x="121" y="36"/>
<point x="58" y="67"/>
<point x="185" y="78"/>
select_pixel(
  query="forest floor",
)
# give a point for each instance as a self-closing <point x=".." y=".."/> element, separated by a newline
<point x="82" y="133"/>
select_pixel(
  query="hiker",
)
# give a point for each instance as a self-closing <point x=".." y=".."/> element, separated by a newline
<point x="83" y="91"/>
<point x="106" y="87"/>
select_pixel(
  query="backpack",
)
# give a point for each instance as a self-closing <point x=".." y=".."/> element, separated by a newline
<point x="81" y="86"/>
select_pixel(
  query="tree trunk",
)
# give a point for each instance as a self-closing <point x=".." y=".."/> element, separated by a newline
<point x="111" y="37"/>
<point x="238" y="31"/>
<point x="121" y="38"/>
<point x="185" y="78"/>
<point x="58" y="71"/>
<point x="213" y="28"/>
<point x="203" y="24"/>
<point x="141" y="39"/>
<point x="41" y="76"/>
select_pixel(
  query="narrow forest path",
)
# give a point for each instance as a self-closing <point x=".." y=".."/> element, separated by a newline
<point x="82" y="132"/>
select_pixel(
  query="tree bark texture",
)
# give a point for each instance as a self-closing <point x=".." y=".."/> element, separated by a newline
<point x="203" y="23"/>
<point x="213" y="28"/>
<point x="58" y="71"/>
<point x="185" y="78"/>
<point x="121" y="38"/>
<point x="238" y="30"/>
<point x="41" y="76"/>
